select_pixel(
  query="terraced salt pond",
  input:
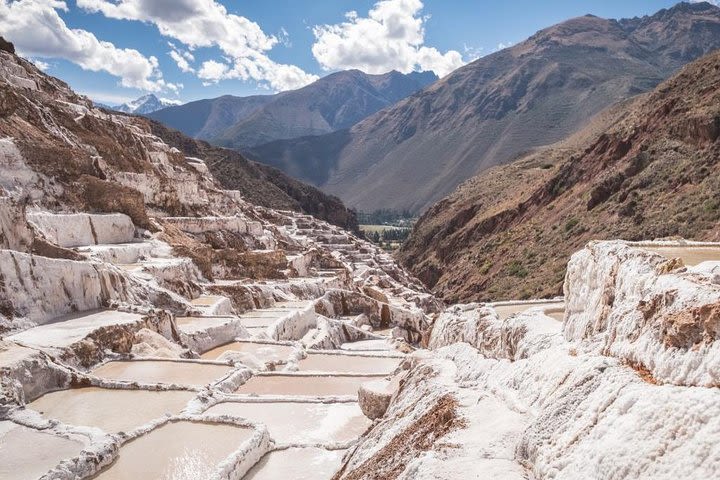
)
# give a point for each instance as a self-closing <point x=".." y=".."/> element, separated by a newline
<point x="553" y="308"/>
<point x="111" y="410"/>
<point x="690" y="255"/>
<point x="27" y="454"/>
<point x="297" y="464"/>
<point x="303" y="385"/>
<point x="156" y="371"/>
<point x="301" y="422"/>
<point x="177" y="451"/>
<point x="265" y="352"/>
<point x="323" y="362"/>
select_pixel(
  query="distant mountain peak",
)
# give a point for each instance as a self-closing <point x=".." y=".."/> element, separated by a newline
<point x="145" y="104"/>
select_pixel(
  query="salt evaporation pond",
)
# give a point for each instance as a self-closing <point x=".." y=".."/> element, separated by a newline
<point x="300" y="422"/>
<point x="152" y="371"/>
<point x="322" y="362"/>
<point x="690" y="256"/>
<point x="177" y="451"/>
<point x="297" y="464"/>
<point x="265" y="352"/>
<point x="111" y="410"/>
<point x="27" y="454"/>
<point x="552" y="309"/>
<point x="303" y="385"/>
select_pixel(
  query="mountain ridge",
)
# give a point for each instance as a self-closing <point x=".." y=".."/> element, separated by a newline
<point x="535" y="93"/>
<point x="334" y="102"/>
<point x="646" y="168"/>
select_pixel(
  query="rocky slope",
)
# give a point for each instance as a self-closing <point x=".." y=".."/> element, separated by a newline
<point x="502" y="105"/>
<point x="644" y="169"/>
<point x="146" y="104"/>
<point x="86" y="135"/>
<point x="334" y="102"/>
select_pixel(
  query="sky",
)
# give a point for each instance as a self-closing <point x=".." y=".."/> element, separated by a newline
<point x="184" y="50"/>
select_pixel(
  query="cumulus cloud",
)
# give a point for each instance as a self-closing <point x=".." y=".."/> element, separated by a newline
<point x="36" y="28"/>
<point x="182" y="58"/>
<point x="391" y="37"/>
<point x="206" y="23"/>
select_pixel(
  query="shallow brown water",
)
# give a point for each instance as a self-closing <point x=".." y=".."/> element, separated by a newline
<point x="348" y="363"/>
<point x="180" y="373"/>
<point x="26" y="454"/>
<point x="262" y="351"/>
<point x="297" y="464"/>
<point x="176" y="451"/>
<point x="295" y="422"/>
<point x="690" y="256"/>
<point x="302" y="385"/>
<point x="111" y="410"/>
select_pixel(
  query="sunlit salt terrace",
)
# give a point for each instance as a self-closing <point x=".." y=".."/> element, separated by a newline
<point x="211" y="392"/>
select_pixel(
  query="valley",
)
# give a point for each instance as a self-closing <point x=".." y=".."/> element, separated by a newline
<point x="510" y="272"/>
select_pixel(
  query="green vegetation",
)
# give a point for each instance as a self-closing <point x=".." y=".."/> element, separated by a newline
<point x="516" y="269"/>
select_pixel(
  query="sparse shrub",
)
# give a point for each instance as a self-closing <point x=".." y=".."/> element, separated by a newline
<point x="570" y="224"/>
<point x="516" y="269"/>
<point x="485" y="267"/>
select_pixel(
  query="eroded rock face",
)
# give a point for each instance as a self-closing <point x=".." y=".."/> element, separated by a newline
<point x="537" y="397"/>
<point x="623" y="301"/>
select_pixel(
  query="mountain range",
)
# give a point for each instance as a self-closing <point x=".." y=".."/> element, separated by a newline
<point x="331" y="103"/>
<point x="146" y="104"/>
<point x="491" y="111"/>
<point x="645" y="168"/>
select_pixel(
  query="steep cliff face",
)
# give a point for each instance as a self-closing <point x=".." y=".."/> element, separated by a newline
<point x="647" y="168"/>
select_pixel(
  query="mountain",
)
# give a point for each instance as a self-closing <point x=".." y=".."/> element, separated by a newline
<point x="334" y="102"/>
<point x="492" y="110"/>
<point x="146" y="104"/>
<point x="646" y="168"/>
<point x="77" y="156"/>
<point x="204" y="119"/>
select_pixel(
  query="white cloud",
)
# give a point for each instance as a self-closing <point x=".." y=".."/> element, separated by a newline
<point x="182" y="58"/>
<point x="391" y="37"/>
<point x="503" y="46"/>
<point x="206" y="23"/>
<point x="44" y="66"/>
<point x="713" y="2"/>
<point x="35" y="27"/>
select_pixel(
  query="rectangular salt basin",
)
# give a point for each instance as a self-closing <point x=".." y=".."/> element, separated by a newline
<point x="206" y="300"/>
<point x="690" y="256"/>
<point x="507" y="310"/>
<point x="297" y="422"/>
<point x="151" y="371"/>
<point x="257" y="322"/>
<point x="297" y="464"/>
<point x="303" y="385"/>
<point x="177" y="451"/>
<point x="196" y="324"/>
<point x="27" y="454"/>
<point x="111" y="410"/>
<point x="266" y="353"/>
<point x="322" y="362"/>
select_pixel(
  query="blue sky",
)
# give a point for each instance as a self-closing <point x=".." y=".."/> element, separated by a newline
<point x="116" y="50"/>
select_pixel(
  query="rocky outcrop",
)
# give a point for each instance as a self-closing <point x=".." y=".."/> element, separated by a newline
<point x="632" y="304"/>
<point x="596" y="395"/>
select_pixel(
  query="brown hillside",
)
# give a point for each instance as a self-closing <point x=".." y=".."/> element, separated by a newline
<point x="655" y="172"/>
